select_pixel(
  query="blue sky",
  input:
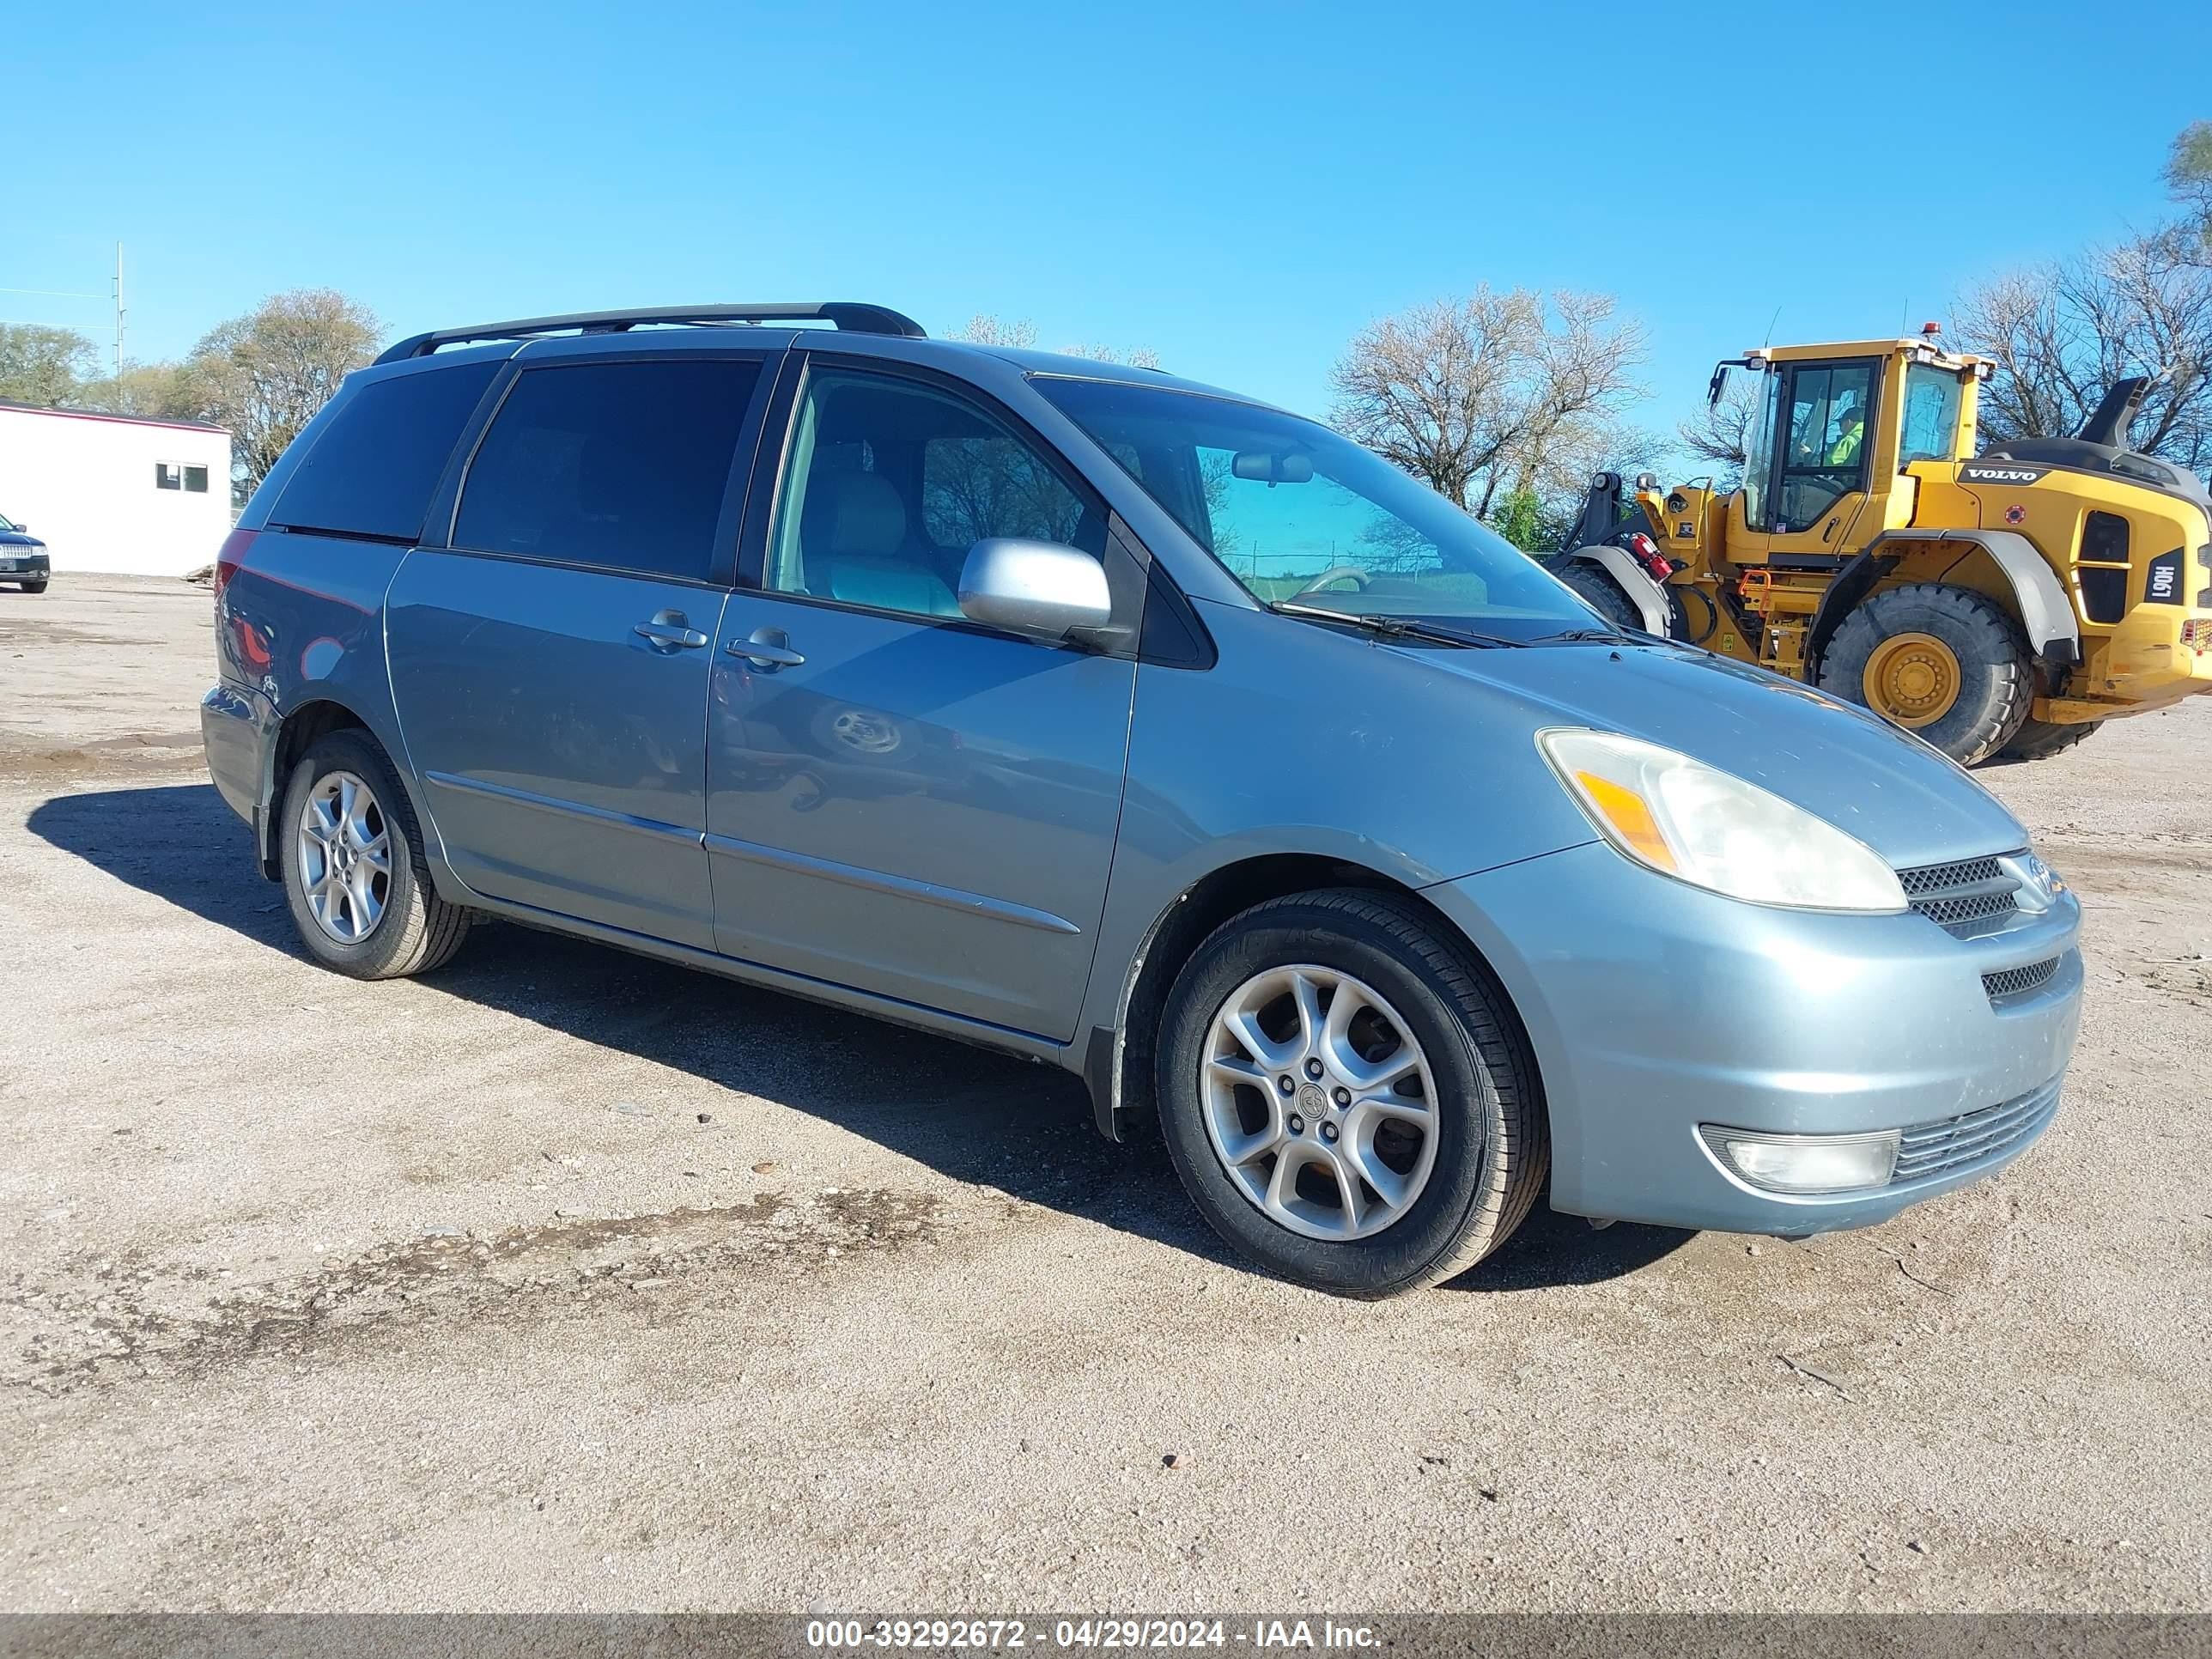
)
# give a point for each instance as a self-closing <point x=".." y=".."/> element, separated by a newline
<point x="1239" y="187"/>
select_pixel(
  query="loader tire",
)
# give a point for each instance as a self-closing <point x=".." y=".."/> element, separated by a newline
<point x="1945" y="663"/>
<point x="1602" y="594"/>
<point x="2041" y="740"/>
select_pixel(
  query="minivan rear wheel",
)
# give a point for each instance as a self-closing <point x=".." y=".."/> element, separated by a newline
<point x="1345" y="1096"/>
<point x="350" y="853"/>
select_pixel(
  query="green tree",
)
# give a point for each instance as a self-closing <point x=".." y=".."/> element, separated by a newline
<point x="42" y="365"/>
<point x="263" y="375"/>
<point x="2189" y="176"/>
<point x="1520" y="520"/>
<point x="165" y="392"/>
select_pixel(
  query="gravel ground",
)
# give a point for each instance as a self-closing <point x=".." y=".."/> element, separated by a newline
<point x="565" y="1280"/>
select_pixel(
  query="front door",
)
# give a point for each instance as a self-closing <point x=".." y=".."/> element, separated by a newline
<point x="898" y="800"/>
<point x="1822" y="451"/>
<point x="550" y="667"/>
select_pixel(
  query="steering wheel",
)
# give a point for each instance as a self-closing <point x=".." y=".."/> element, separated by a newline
<point x="1336" y="572"/>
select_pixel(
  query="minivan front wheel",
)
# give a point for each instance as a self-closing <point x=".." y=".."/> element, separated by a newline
<point x="355" y="879"/>
<point x="1345" y="1098"/>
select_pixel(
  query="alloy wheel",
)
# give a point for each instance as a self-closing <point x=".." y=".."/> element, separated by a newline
<point x="1319" y="1103"/>
<point x="345" y="857"/>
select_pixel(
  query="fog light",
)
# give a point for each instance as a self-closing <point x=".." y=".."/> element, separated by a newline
<point x="1805" y="1164"/>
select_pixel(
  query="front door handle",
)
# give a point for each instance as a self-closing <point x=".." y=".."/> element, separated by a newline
<point x="768" y="648"/>
<point x="669" y="630"/>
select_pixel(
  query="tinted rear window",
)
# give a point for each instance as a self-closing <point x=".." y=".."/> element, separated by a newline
<point x="373" y="470"/>
<point x="620" y="466"/>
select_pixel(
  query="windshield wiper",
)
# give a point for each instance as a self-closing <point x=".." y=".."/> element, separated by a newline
<point x="1596" y="635"/>
<point x="1396" y="627"/>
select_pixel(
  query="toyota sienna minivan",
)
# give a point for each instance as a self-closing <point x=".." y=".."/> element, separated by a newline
<point x="1096" y="716"/>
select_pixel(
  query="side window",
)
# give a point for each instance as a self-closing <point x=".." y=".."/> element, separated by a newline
<point x="1829" y="436"/>
<point x="974" y="487"/>
<point x="888" y="483"/>
<point x="168" y="476"/>
<point x="1932" y="396"/>
<point x="620" y="464"/>
<point x="375" y="468"/>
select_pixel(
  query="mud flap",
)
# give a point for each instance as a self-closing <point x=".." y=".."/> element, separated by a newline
<point x="1633" y="580"/>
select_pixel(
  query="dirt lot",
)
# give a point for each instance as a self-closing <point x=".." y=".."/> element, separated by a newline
<point x="565" y="1280"/>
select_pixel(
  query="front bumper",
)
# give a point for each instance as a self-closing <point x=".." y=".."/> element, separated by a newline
<point x="18" y="565"/>
<point x="1655" y="1008"/>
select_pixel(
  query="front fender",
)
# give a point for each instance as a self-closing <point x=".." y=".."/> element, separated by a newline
<point x="2047" y="614"/>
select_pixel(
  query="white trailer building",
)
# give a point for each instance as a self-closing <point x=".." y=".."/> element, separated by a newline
<point x="113" y="492"/>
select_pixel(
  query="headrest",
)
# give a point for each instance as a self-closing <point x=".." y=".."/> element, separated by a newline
<point x="851" y="513"/>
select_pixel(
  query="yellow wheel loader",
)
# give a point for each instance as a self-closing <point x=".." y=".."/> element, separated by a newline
<point x="1999" y="605"/>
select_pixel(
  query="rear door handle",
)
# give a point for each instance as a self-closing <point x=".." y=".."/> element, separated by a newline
<point x="669" y="630"/>
<point x="768" y="648"/>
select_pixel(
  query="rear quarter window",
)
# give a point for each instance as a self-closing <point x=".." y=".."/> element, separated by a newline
<point x="376" y="466"/>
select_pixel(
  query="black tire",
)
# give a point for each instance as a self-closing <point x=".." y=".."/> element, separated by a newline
<point x="2041" y="740"/>
<point x="1603" y="592"/>
<point x="1996" y="679"/>
<point x="1493" y="1143"/>
<point x="417" y="931"/>
<point x="34" y="587"/>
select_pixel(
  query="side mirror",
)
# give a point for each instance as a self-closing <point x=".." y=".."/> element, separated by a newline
<point x="1034" y="587"/>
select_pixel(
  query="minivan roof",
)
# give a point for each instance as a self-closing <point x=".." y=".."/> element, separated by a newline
<point x="853" y="318"/>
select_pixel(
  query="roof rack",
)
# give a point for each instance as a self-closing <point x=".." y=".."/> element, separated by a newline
<point x="844" y="314"/>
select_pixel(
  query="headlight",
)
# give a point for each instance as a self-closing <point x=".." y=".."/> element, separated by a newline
<point x="1705" y="826"/>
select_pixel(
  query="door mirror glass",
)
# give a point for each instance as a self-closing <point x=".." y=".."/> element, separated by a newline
<point x="1041" y="588"/>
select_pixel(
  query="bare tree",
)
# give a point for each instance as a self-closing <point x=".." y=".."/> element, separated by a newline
<point x="2060" y="334"/>
<point x="1135" y="357"/>
<point x="1721" y="433"/>
<point x="984" y="329"/>
<point x="41" y="365"/>
<point x="1489" y="395"/>
<point x="1021" y="335"/>
<point x="264" y="375"/>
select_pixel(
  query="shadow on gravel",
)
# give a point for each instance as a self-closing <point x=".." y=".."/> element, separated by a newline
<point x="980" y="1118"/>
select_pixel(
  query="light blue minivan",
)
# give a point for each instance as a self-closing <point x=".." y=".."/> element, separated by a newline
<point x="1090" y="714"/>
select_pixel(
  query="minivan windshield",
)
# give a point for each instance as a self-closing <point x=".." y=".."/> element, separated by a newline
<point x="1303" y="516"/>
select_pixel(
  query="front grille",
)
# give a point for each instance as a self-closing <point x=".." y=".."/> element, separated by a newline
<point x="1957" y="895"/>
<point x="1974" y="908"/>
<point x="1954" y="1143"/>
<point x="2019" y="982"/>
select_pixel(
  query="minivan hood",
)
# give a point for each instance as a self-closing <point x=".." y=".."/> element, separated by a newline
<point x="1893" y="793"/>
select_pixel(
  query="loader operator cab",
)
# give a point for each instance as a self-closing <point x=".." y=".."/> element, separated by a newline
<point x="1824" y="424"/>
